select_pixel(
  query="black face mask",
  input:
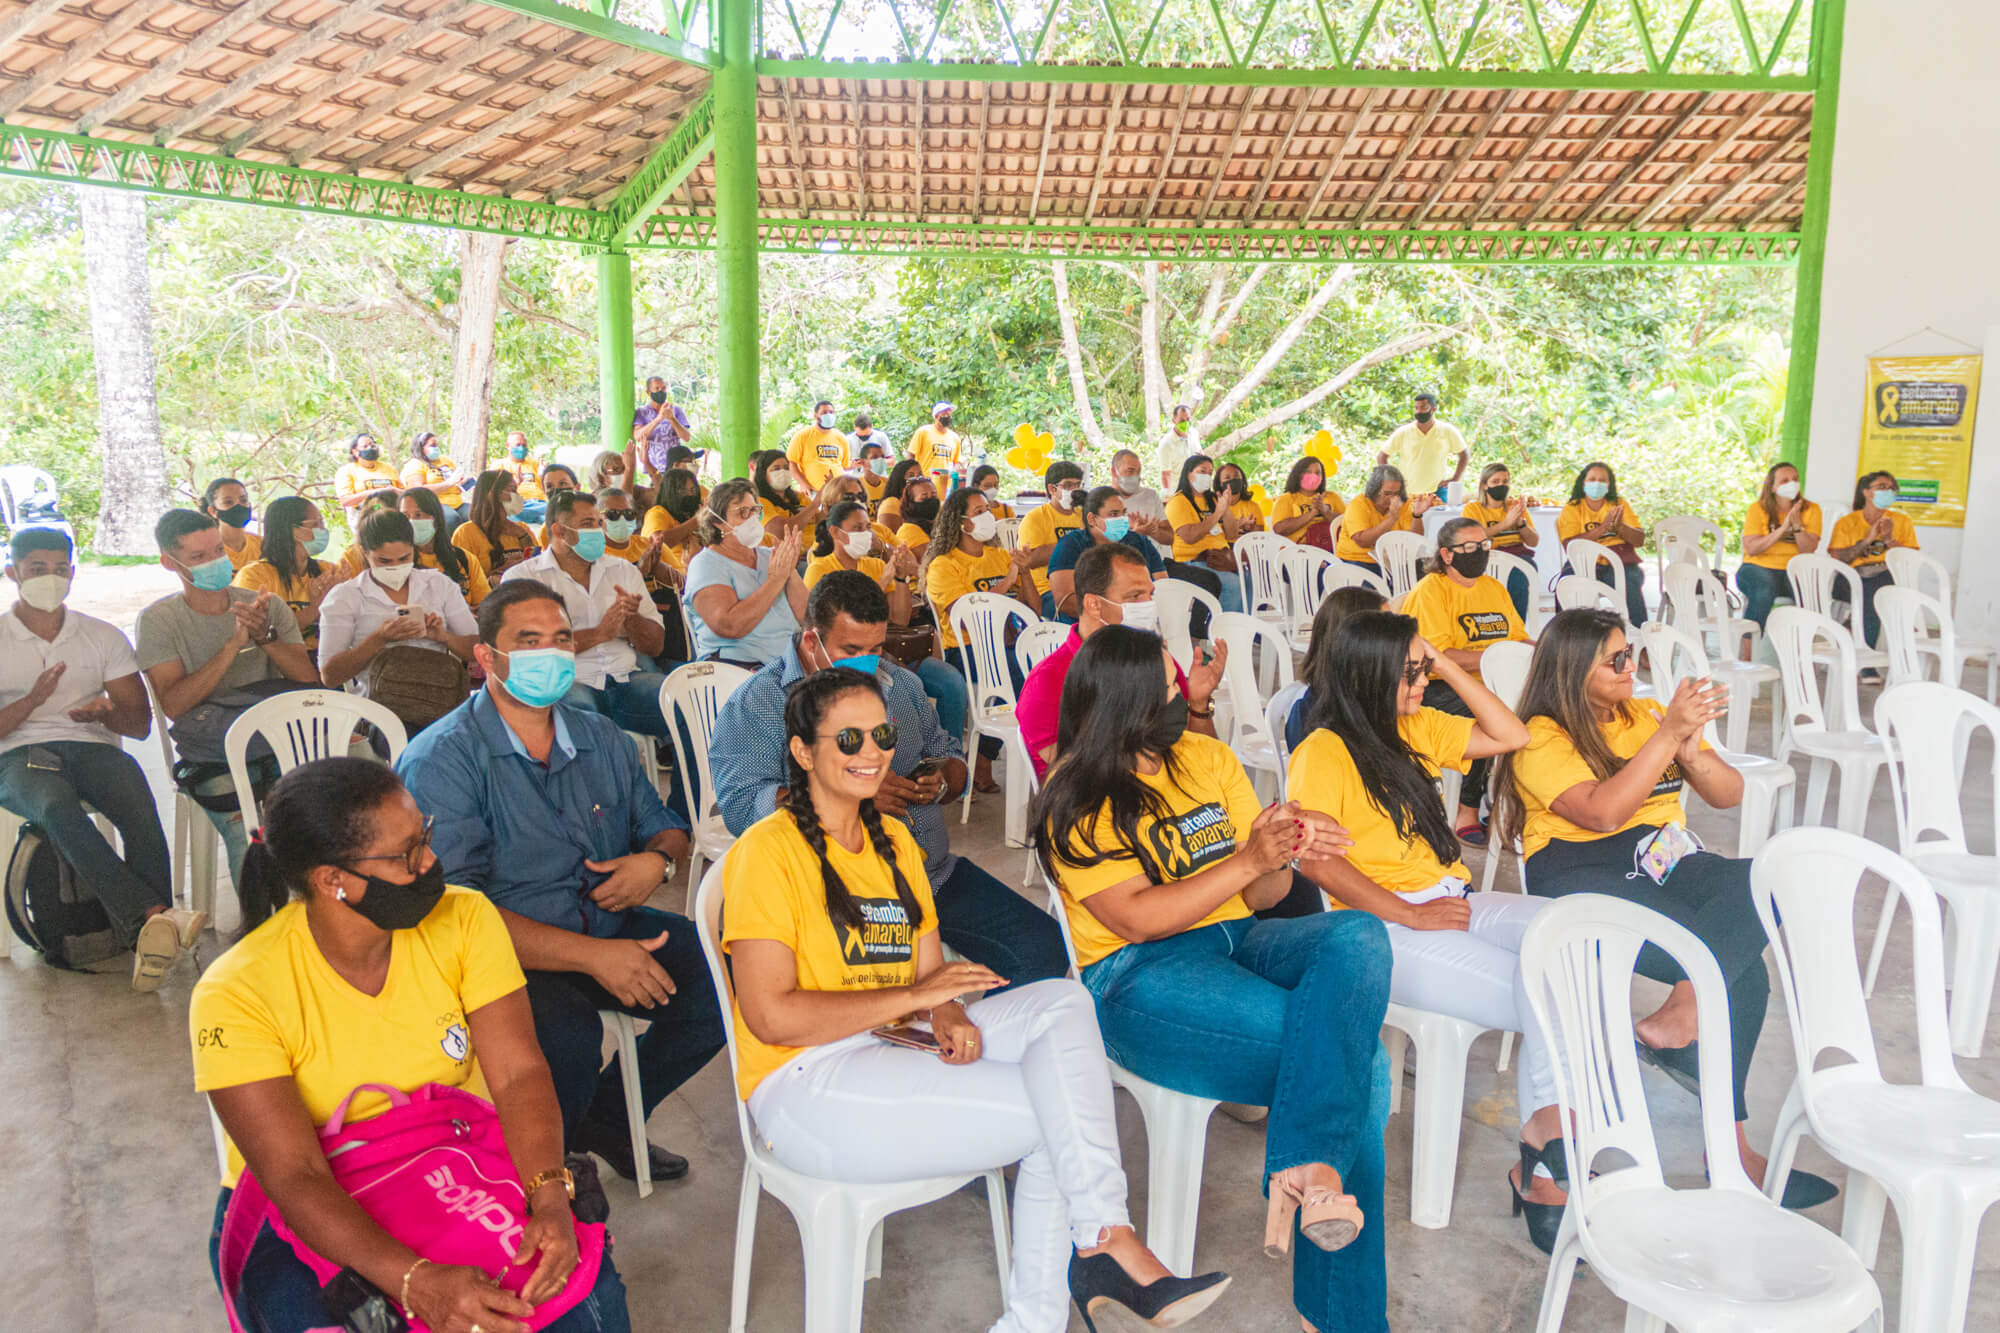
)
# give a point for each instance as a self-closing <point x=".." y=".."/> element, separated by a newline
<point x="370" y="454"/>
<point x="400" y="906"/>
<point x="1423" y="417"/>
<point x="944" y="422"/>
<point x="1469" y="564"/>
<point x="921" y="511"/>
<point x="682" y="507"/>
<point x="1498" y="494"/>
<point x="1169" y="726"/>
<point x="235" y="516"/>
<point x="658" y="396"/>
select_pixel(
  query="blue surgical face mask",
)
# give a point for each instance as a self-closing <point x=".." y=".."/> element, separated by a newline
<point x="826" y="421"/>
<point x="866" y="663"/>
<point x="1116" y="528"/>
<point x="1596" y="490"/>
<point x="316" y="544"/>
<point x="539" y="677"/>
<point x="589" y="546"/>
<point x="210" y="575"/>
<point x="424" y="529"/>
<point x="879" y="466"/>
<point x="620" y="530"/>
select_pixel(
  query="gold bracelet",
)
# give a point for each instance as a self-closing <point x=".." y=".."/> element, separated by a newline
<point x="409" y="1273"/>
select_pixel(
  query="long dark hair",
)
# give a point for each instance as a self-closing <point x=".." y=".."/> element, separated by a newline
<point x="1359" y="706"/>
<point x="450" y="560"/>
<point x="1610" y="479"/>
<point x="787" y="501"/>
<point x="805" y="704"/>
<point x="1298" y="474"/>
<point x="839" y="514"/>
<point x="280" y="517"/>
<point x="949" y="529"/>
<point x="899" y="477"/>
<point x="1111" y="704"/>
<point x="319" y="814"/>
<point x="487" y="514"/>
<point x="1341" y="603"/>
<point x="1558" y="689"/>
<point x="1203" y="504"/>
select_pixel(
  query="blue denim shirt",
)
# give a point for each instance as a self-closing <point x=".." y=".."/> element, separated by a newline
<point x="519" y="830"/>
<point x="747" y="756"/>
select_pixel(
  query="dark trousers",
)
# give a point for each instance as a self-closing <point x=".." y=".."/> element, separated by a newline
<point x="1302" y="900"/>
<point x="686" y="1032"/>
<point x="1635" y="588"/>
<point x="1472" y="789"/>
<point x="1708" y="894"/>
<point x="989" y="746"/>
<point x="110" y="781"/>
<point x="1761" y="589"/>
<point x="1201" y="576"/>
<point x="994" y="926"/>
<point x="1871" y="583"/>
<point x="1519" y="586"/>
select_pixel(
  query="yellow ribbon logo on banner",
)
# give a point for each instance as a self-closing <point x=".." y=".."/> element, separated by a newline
<point x="1891" y="396"/>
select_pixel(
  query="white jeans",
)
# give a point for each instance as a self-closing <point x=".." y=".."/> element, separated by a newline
<point x="1040" y="1094"/>
<point x="1475" y="974"/>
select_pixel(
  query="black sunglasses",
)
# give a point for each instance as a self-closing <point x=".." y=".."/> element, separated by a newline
<point x="1416" y="671"/>
<point x="1621" y="661"/>
<point x="1467" y="548"/>
<point x="849" y="738"/>
<point x="612" y="515"/>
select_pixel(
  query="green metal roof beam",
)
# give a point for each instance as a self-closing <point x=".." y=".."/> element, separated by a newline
<point x="664" y="171"/>
<point x="1291" y="77"/>
<point x="594" y="24"/>
<point x="80" y="160"/>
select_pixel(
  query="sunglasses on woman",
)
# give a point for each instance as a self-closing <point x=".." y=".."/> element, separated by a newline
<point x="1416" y="671"/>
<point x="1621" y="661"/>
<point x="848" y="739"/>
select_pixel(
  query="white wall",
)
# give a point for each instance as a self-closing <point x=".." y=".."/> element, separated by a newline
<point x="1911" y="239"/>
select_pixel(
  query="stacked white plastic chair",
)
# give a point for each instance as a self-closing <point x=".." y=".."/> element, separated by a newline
<point x="1907" y="619"/>
<point x="1584" y="556"/>
<point x="1401" y="556"/>
<point x="1828" y="731"/>
<point x="980" y="621"/>
<point x="1815" y="580"/>
<point x="840" y="1224"/>
<point x="1259" y="663"/>
<point x="1176" y="600"/>
<point x="1505" y="567"/>
<point x="1312" y="574"/>
<point x="1260" y="566"/>
<point x="1926" y="574"/>
<point x="1767" y="784"/>
<point x="691" y="697"/>
<point x="1722" y="1257"/>
<point x="1701" y="608"/>
<point x="1929" y="1145"/>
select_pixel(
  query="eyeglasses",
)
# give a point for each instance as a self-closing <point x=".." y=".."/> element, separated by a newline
<point x="413" y="857"/>
<point x="849" y="738"/>
<point x="1467" y="548"/>
<point x="1416" y="671"/>
<point x="613" y="515"/>
<point x="1621" y="661"/>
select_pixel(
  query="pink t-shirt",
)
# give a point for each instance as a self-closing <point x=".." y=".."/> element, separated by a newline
<point x="1038" y="709"/>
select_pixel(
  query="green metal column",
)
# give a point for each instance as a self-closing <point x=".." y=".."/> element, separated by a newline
<point x="614" y="348"/>
<point x="1829" y="20"/>
<point x="735" y="89"/>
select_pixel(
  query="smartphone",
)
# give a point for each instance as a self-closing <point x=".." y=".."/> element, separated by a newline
<point x="928" y="768"/>
<point x="910" y="1038"/>
<point x="44" y="760"/>
<point x="360" y="1305"/>
<point x="402" y="610"/>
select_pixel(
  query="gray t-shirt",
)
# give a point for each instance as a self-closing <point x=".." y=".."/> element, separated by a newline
<point x="171" y="630"/>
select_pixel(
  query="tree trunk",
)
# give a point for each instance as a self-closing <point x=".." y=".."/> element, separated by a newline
<point x="1153" y="369"/>
<point x="481" y="260"/>
<point x="1388" y="351"/>
<point x="134" y="489"/>
<point x="1283" y="343"/>
<point x="1073" y="354"/>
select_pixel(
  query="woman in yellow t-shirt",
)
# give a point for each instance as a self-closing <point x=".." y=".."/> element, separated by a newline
<point x="1780" y="524"/>
<point x="374" y="972"/>
<point x="1601" y="774"/>
<point x="429" y="467"/>
<point x="294" y="537"/>
<point x="964" y="557"/>
<point x="1162" y="858"/>
<point x="1307" y="510"/>
<point x="873" y="458"/>
<point x="434" y="551"/>
<point x="845" y="540"/>
<point x="785" y="512"/>
<point x="1205" y="528"/>
<point x="1370" y="764"/>
<point x="986" y="477"/>
<point x="490" y="535"/>
<point x="1505" y="517"/>
<point x="832" y="931"/>
<point x="227" y="502"/>
<point x="364" y="473"/>
<point x="676" y="516"/>
<point x="889" y="509"/>
<point x="1863" y="538"/>
<point x="917" y="515"/>
<point x="1596" y="512"/>
<point x="1382" y="507"/>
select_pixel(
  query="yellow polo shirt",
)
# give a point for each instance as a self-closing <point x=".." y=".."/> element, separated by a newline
<point x="1425" y="458"/>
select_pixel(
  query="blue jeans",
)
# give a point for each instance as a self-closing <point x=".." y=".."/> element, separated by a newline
<point x="110" y="781"/>
<point x="1285" y="1014"/>
<point x="1520" y="587"/>
<point x="532" y="512"/>
<point x="1231" y="593"/>
<point x="279" y="1294"/>
<point x="633" y="703"/>
<point x="1635" y="588"/>
<point x="947" y="690"/>
<point x="994" y="926"/>
<point x="684" y="1035"/>
<point x="1761" y="588"/>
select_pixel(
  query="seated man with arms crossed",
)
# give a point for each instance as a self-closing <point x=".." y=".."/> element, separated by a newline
<point x="847" y="618"/>
<point x="542" y="806"/>
<point x="69" y="688"/>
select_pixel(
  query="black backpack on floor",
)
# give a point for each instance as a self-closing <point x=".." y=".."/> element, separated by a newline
<point x="50" y="908"/>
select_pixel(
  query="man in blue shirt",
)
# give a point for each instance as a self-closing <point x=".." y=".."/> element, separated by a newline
<point x="544" y="808"/>
<point x="847" y="618"/>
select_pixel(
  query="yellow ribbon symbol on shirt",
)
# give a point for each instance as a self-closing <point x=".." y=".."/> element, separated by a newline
<point x="1171" y="845"/>
<point x="853" y="946"/>
<point x="1890" y="413"/>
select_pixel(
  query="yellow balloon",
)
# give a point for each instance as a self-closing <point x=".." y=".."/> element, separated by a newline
<point x="1024" y="434"/>
<point x="1025" y="457"/>
<point x="1322" y="447"/>
<point x="1043" y="443"/>
<point x="1261" y="500"/>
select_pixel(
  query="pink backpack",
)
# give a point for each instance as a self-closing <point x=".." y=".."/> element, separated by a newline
<point x="434" y="1172"/>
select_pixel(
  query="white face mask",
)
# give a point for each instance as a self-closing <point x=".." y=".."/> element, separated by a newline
<point x="392" y="577"/>
<point x="983" y="527"/>
<point x="1200" y="482"/>
<point x="992" y="494"/>
<point x="1140" y="615"/>
<point x="780" y="481"/>
<point x="859" y="543"/>
<point x="1063" y="497"/>
<point x="512" y="505"/>
<point x="750" y="531"/>
<point x="1128" y="482"/>
<point x="45" y="592"/>
<point x="1786" y="490"/>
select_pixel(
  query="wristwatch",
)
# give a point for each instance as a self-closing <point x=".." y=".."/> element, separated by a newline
<point x="542" y="1178"/>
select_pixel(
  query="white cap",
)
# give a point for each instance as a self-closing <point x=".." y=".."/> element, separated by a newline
<point x="942" y="407"/>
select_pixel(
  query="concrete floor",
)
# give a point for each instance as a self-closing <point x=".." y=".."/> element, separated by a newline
<point x="109" y="1189"/>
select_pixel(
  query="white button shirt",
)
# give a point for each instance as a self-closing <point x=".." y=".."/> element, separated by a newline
<point x="93" y="650"/>
<point x="356" y="609"/>
<point x="614" y="659"/>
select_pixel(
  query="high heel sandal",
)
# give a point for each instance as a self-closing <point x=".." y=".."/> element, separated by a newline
<point x="1544" y="1219"/>
<point x="1167" y="1302"/>
<point x="1329" y="1220"/>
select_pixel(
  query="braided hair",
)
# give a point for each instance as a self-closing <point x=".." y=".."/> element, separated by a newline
<point x="806" y="703"/>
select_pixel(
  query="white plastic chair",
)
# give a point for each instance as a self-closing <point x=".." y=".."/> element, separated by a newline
<point x="1260" y="565"/>
<point x="1580" y="592"/>
<point x="300" y="726"/>
<point x="22" y="482"/>
<point x="1584" y="556"/>
<point x="1443" y="1044"/>
<point x="625" y="1035"/>
<point x="1814" y="579"/>
<point x="1176" y="600"/>
<point x="196" y="846"/>
<point x="1767" y="784"/>
<point x="691" y="697"/>
<point x="980" y="621"/>
<point x="1037" y="641"/>
<point x="1699" y="609"/>
<point x="1681" y="538"/>
<point x="1503" y="669"/>
<point x="1249" y="679"/>
<point x="1310" y="572"/>
<point x="1008" y="534"/>
<point x="1920" y="723"/>
<point x="1820" y="730"/>
<point x="1401" y="555"/>
<point x="840" y="1224"/>
<point x="1907" y="616"/>
<point x="1913" y="569"/>
<point x="1932" y="1146"/>
<point x="1506" y="568"/>
<point x="1718" y="1258"/>
<point x="1277" y="713"/>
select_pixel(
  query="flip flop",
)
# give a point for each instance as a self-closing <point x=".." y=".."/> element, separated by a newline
<point x="1472" y="835"/>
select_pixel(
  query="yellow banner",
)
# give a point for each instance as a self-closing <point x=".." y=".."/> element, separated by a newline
<point x="1918" y="426"/>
